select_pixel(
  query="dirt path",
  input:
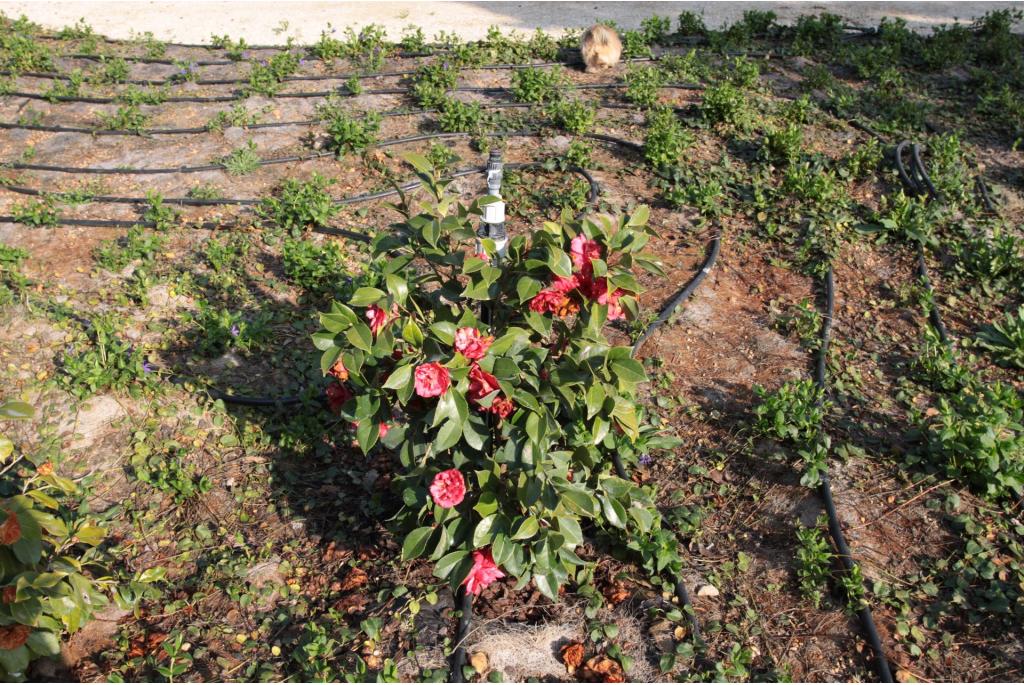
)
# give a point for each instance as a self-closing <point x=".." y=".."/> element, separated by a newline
<point x="261" y="22"/>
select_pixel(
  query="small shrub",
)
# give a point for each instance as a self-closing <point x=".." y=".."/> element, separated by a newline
<point x="692" y="24"/>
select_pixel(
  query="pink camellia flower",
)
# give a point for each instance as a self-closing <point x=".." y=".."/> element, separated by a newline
<point x="448" y="488"/>
<point x="583" y="250"/>
<point x="383" y="429"/>
<point x="612" y="300"/>
<point x="471" y="344"/>
<point x="431" y="380"/>
<point x="378" y="318"/>
<point x="564" y="285"/>
<point x="483" y="573"/>
<point x="553" y="302"/>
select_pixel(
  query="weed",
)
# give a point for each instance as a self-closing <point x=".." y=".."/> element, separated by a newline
<point x="113" y="70"/>
<point x="221" y="329"/>
<point x="724" y="103"/>
<point x="126" y="118"/>
<point x="205" y="191"/>
<point x="242" y="161"/>
<point x="432" y="82"/>
<point x="937" y="365"/>
<point x="162" y="216"/>
<point x="138" y="244"/>
<point x="804" y="320"/>
<point x="665" y="139"/>
<point x="300" y="204"/>
<point x="133" y="95"/>
<point x="1005" y="339"/>
<point x="238" y="115"/>
<point x="41" y="212"/>
<point x="691" y="24"/>
<point x="234" y="50"/>
<point x="782" y="145"/>
<point x="166" y="469"/>
<point x="976" y="436"/>
<point x="266" y="77"/>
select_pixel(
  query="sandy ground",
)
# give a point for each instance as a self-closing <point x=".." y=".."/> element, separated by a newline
<point x="272" y="22"/>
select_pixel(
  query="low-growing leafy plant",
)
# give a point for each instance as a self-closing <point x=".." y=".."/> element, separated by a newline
<point x="1005" y="339"/>
<point x="126" y="118"/>
<point x="665" y="139"/>
<point x="221" y="329"/>
<point x="243" y="160"/>
<point x="137" y="244"/>
<point x="42" y="212"/>
<point x="105" y="362"/>
<point x="488" y="418"/>
<point x="538" y="85"/>
<point x="348" y="132"/>
<point x="458" y="116"/>
<point x="814" y="563"/>
<point x="724" y="103"/>
<point x="318" y="268"/>
<point x="794" y="412"/>
<point x="233" y="50"/>
<point x="977" y="437"/>
<point x="643" y="84"/>
<point x="574" y="116"/>
<point x="432" y="82"/>
<point x="266" y="77"/>
<point x="162" y="216"/>
<point x="299" y="204"/>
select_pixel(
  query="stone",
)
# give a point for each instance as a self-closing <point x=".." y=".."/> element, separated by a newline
<point x="707" y="591"/>
<point x="94" y="419"/>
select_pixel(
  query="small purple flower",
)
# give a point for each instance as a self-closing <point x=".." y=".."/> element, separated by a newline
<point x="646" y="460"/>
<point x="235" y="331"/>
<point x="147" y="367"/>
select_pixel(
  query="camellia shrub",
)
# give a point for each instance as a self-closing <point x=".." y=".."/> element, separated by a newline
<point x="495" y="386"/>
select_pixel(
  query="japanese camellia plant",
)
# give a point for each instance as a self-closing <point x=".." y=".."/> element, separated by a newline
<point x="494" y="385"/>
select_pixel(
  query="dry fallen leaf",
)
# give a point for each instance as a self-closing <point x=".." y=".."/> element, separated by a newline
<point x="356" y="578"/>
<point x="601" y="669"/>
<point x="479" y="662"/>
<point x="12" y="637"/>
<point x="616" y="594"/>
<point x="572" y="656"/>
<point x="10" y="529"/>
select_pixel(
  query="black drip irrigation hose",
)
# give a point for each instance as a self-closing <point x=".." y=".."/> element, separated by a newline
<point x="147" y="132"/>
<point x="825" y="489"/>
<point x="344" y="91"/>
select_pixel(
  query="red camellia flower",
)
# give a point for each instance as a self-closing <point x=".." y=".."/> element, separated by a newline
<point x="448" y="488"/>
<point x="431" y="379"/>
<point x="337" y="396"/>
<point x="383" y="429"/>
<point x="553" y="302"/>
<point x="471" y="344"/>
<point x="564" y="285"/>
<point x="481" y="383"/>
<point x="583" y="250"/>
<point x="378" y="318"/>
<point x="483" y="573"/>
<point x="502" y="407"/>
